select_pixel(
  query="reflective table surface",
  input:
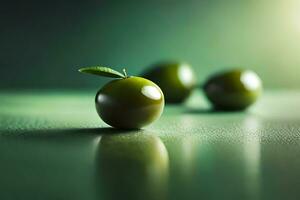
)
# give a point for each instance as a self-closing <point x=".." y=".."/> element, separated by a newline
<point x="54" y="146"/>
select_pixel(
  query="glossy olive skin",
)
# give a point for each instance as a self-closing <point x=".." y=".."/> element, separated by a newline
<point x="129" y="103"/>
<point x="175" y="79"/>
<point x="233" y="90"/>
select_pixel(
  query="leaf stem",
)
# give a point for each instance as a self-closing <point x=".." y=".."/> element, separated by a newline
<point x="125" y="73"/>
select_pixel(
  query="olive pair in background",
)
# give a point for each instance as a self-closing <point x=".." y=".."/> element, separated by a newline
<point x="229" y="90"/>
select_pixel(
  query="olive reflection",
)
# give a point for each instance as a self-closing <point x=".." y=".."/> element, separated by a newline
<point x="132" y="166"/>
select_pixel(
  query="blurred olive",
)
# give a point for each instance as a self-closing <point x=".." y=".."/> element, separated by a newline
<point x="132" y="166"/>
<point x="129" y="103"/>
<point x="233" y="90"/>
<point x="175" y="79"/>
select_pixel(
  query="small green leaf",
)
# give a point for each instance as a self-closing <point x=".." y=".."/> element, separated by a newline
<point x="102" y="71"/>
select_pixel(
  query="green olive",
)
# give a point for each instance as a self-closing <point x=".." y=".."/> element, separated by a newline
<point x="233" y="90"/>
<point x="129" y="103"/>
<point x="175" y="79"/>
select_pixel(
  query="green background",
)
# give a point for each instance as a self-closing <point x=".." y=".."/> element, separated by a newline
<point x="43" y="43"/>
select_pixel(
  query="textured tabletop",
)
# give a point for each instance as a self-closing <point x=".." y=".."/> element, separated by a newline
<point x="54" y="146"/>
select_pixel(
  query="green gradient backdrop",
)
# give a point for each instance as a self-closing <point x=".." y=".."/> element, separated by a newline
<point x="42" y="43"/>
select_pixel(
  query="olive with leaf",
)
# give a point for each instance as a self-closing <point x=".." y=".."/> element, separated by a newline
<point x="127" y="102"/>
<point x="233" y="90"/>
